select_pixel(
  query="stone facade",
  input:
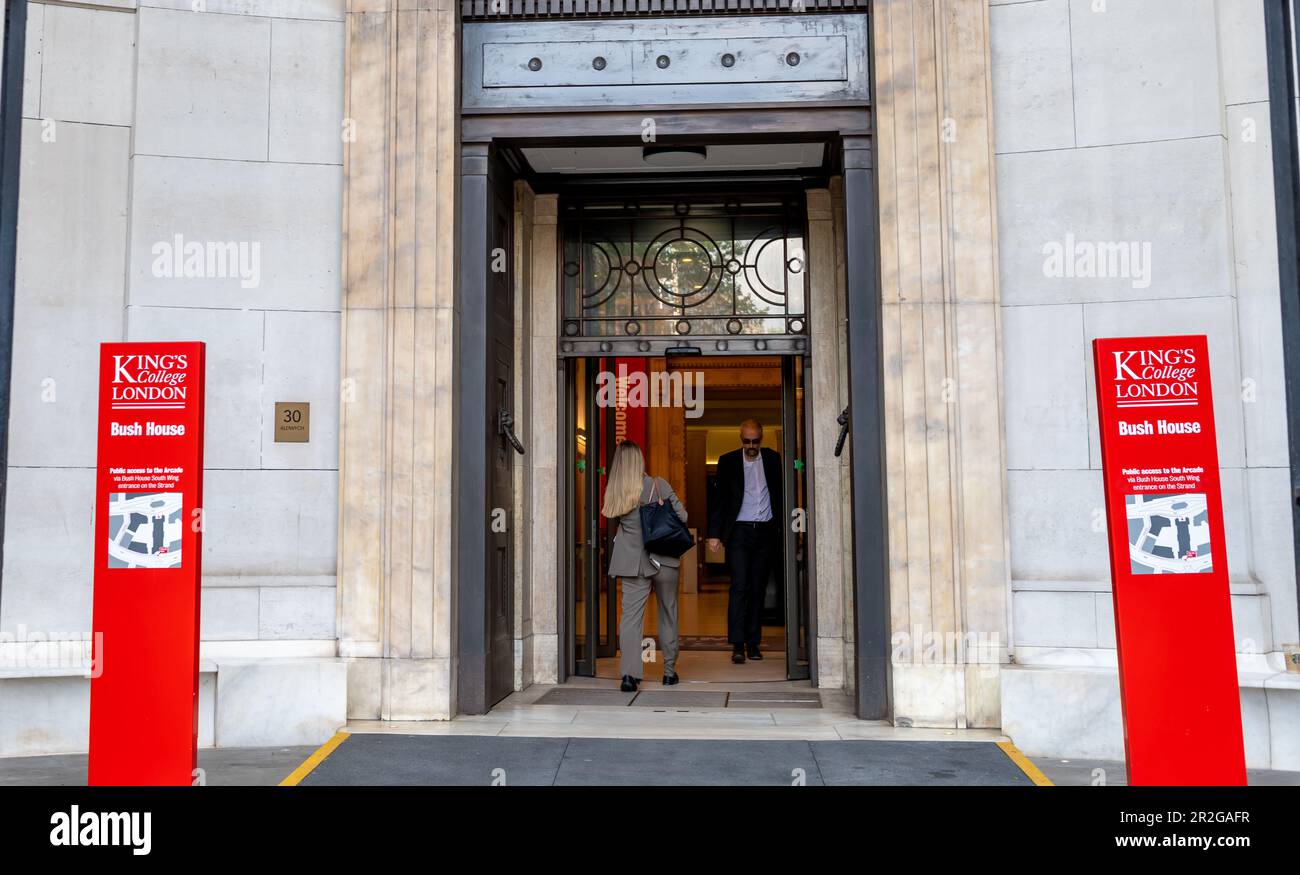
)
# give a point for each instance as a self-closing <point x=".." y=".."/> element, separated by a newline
<point x="1145" y="123"/>
<point x="328" y="134"/>
<point x="142" y="124"/>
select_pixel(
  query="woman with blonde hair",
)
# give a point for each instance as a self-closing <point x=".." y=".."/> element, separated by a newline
<point x="628" y="488"/>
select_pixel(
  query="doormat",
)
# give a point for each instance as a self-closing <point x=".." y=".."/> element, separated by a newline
<point x="654" y="697"/>
<point x="720" y="642"/>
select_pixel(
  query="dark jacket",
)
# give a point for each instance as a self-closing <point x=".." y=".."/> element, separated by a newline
<point x="729" y="491"/>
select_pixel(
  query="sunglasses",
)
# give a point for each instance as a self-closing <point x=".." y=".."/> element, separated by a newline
<point x="754" y="441"/>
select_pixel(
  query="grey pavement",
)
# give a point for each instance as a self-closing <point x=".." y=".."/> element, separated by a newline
<point x="1110" y="773"/>
<point x="391" y="759"/>
<point x="222" y="766"/>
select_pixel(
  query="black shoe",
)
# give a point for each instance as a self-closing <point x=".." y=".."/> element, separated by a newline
<point x="753" y="652"/>
<point x="670" y="679"/>
<point x="738" y="655"/>
<point x="629" y="684"/>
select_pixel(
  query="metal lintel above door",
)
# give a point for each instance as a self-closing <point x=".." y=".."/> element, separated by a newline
<point x="670" y="62"/>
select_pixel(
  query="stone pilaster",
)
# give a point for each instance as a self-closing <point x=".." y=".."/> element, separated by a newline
<point x="942" y="360"/>
<point x="545" y="526"/>
<point x="827" y="388"/>
<point x="520" y="527"/>
<point x="540" y="528"/>
<point x="395" y="572"/>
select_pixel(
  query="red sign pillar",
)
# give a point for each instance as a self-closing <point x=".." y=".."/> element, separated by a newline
<point x="1169" y="565"/>
<point x="148" y="537"/>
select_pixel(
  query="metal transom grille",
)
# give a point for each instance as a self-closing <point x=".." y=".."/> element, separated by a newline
<point x="498" y="10"/>
<point x="705" y="267"/>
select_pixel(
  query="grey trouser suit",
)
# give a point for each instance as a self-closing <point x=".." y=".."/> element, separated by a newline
<point x="630" y="562"/>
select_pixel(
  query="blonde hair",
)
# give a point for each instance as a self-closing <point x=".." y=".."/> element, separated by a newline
<point x="623" y="491"/>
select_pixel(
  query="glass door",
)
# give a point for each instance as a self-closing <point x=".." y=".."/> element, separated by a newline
<point x="592" y="600"/>
<point x="798" y="625"/>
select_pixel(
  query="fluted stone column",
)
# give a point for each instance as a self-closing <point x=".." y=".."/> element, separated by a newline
<point x="942" y="360"/>
<point x="401" y="155"/>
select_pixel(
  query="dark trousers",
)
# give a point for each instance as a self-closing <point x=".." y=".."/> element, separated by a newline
<point x="750" y="547"/>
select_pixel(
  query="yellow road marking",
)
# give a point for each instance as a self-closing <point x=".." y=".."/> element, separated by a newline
<point x="315" y="759"/>
<point x="1034" y="773"/>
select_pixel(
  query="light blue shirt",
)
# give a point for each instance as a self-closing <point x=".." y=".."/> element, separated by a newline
<point x="756" y="506"/>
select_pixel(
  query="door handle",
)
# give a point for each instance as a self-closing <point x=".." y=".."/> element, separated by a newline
<point x="505" y="423"/>
<point x="843" y="420"/>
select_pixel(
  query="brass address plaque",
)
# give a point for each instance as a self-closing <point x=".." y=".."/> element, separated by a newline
<point x="292" y="422"/>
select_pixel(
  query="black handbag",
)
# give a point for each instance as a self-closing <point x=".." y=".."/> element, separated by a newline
<point x="662" y="531"/>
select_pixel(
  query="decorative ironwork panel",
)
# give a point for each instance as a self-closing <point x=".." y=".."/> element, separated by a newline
<point x="705" y="267"/>
<point x="499" y="10"/>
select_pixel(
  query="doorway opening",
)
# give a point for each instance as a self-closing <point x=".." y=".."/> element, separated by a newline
<point x="686" y="412"/>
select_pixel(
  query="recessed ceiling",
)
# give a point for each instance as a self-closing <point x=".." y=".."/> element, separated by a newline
<point x="721" y="156"/>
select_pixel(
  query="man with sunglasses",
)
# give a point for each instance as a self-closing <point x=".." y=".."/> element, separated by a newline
<point x="745" y="512"/>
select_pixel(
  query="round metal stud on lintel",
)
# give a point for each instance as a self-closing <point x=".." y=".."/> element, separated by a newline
<point x="534" y="64"/>
<point x="598" y="62"/>
<point x="663" y="61"/>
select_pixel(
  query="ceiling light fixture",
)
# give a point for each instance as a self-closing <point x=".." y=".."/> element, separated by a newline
<point x="674" y="156"/>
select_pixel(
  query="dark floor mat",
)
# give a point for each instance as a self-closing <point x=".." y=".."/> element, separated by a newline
<point x="680" y="699"/>
<point x="584" y="696"/>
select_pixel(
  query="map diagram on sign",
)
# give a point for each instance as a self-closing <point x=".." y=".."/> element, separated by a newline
<point x="144" y="530"/>
<point x="1168" y="534"/>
